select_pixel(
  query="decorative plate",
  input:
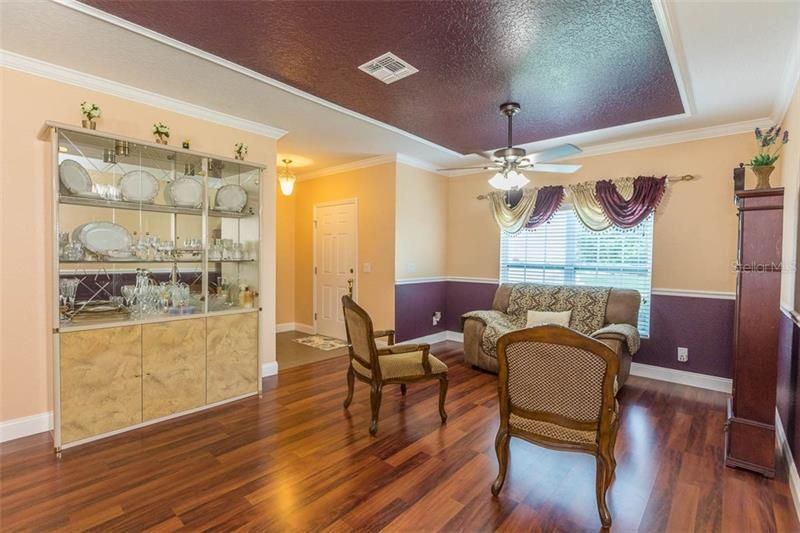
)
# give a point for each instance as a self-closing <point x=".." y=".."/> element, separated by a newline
<point x="105" y="238"/>
<point x="185" y="192"/>
<point x="74" y="177"/>
<point x="138" y="186"/>
<point x="231" y="198"/>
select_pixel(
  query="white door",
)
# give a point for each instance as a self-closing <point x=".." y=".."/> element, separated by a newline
<point x="335" y="240"/>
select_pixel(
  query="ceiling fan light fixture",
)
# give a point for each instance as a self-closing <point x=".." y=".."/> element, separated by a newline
<point x="510" y="180"/>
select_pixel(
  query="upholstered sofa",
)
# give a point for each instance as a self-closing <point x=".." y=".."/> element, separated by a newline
<point x="617" y="327"/>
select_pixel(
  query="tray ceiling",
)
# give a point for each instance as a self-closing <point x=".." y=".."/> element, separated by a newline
<point x="574" y="66"/>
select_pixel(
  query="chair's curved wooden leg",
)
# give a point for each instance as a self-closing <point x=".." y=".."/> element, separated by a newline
<point x="351" y="379"/>
<point x="442" y="395"/>
<point x="403" y="389"/>
<point x="610" y="457"/>
<point x="601" y="487"/>
<point x="375" y="393"/>
<point x="501" y="448"/>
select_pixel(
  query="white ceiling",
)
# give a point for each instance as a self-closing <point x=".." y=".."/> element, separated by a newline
<point x="738" y="62"/>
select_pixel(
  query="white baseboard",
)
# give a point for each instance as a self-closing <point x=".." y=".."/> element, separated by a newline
<point x="428" y="339"/>
<point x="682" y="377"/>
<point x="27" y="425"/>
<point x="791" y="469"/>
<point x="269" y="369"/>
<point x="456" y="336"/>
<point x="438" y="337"/>
<point x="294" y="326"/>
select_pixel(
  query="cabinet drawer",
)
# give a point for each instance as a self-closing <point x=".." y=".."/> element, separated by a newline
<point x="101" y="381"/>
<point x="174" y="367"/>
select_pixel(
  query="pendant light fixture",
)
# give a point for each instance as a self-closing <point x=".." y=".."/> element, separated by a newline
<point x="286" y="179"/>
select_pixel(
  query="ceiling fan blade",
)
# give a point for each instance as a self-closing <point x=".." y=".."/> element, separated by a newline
<point x="484" y="167"/>
<point x="560" y="169"/>
<point x="557" y="152"/>
<point x="484" y="155"/>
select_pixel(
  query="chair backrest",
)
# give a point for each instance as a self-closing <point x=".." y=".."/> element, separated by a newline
<point x="360" y="335"/>
<point x="556" y="375"/>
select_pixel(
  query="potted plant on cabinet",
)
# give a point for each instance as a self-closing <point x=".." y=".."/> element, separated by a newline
<point x="161" y="131"/>
<point x="770" y="144"/>
<point x="91" y="112"/>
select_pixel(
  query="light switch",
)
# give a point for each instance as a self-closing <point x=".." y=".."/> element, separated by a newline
<point x="411" y="268"/>
<point x="367" y="267"/>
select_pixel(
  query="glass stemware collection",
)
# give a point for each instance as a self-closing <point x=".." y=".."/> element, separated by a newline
<point x="151" y="298"/>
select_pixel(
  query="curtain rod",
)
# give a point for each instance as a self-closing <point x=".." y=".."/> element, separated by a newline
<point x="671" y="179"/>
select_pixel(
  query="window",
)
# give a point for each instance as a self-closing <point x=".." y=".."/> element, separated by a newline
<point x="563" y="252"/>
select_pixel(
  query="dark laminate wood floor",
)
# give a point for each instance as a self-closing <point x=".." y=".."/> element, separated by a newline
<point x="296" y="461"/>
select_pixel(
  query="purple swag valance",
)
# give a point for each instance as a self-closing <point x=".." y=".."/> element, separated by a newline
<point x="647" y="194"/>
<point x="547" y="203"/>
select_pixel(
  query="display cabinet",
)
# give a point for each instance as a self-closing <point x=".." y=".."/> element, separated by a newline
<point x="155" y="281"/>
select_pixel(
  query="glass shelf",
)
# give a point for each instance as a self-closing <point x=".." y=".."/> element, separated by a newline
<point x="150" y="207"/>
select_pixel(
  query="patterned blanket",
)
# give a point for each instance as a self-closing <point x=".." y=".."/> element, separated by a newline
<point x="588" y="306"/>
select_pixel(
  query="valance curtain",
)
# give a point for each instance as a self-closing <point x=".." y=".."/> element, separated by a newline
<point x="547" y="203"/>
<point x="622" y="202"/>
<point x="513" y="219"/>
<point x="626" y="214"/>
<point x="586" y="206"/>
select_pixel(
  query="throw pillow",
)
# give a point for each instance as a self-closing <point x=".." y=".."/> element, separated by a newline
<point x="540" y="318"/>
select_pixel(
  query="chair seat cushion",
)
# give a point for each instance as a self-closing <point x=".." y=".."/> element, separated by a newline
<point x="402" y="365"/>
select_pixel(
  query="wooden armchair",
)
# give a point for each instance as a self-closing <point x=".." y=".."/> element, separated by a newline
<point x="394" y="364"/>
<point x="556" y="389"/>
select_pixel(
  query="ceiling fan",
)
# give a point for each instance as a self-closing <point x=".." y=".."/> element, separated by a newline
<point x="510" y="161"/>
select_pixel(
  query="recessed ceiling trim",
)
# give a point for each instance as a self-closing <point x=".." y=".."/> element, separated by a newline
<point x="372" y="162"/>
<point x="652" y="141"/>
<point x="174" y="43"/>
<point x="69" y="76"/>
<point x="672" y="43"/>
<point x="791" y="76"/>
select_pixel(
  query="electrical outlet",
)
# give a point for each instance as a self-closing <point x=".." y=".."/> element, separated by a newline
<point x="683" y="354"/>
<point x="367" y="267"/>
<point x="437" y="317"/>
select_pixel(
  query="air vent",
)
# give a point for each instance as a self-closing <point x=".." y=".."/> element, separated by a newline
<point x="388" y="68"/>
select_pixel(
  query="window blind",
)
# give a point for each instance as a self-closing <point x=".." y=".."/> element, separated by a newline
<point x="563" y="252"/>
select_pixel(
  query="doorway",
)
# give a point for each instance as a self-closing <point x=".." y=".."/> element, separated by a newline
<point x="335" y="260"/>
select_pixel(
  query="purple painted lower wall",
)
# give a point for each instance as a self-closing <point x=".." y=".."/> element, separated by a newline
<point x="788" y="375"/>
<point x="415" y="304"/>
<point x="703" y="325"/>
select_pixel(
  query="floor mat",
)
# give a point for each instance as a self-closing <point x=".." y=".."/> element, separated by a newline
<point x="321" y="342"/>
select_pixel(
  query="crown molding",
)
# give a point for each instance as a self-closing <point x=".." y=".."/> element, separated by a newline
<point x="183" y="47"/>
<point x="788" y="86"/>
<point x="418" y="163"/>
<point x="371" y="162"/>
<point x="69" y="76"/>
<point x="349" y="167"/>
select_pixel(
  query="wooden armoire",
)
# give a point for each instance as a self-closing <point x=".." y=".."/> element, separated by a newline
<point x="750" y="429"/>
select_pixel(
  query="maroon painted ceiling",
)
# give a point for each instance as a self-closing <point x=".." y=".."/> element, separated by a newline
<point x="573" y="65"/>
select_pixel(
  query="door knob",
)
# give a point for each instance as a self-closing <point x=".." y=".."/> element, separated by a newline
<point x="350" y="286"/>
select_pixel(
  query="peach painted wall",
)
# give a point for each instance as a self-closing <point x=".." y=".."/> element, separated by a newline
<point x="374" y="187"/>
<point x="694" y="241"/>
<point x="421" y="223"/>
<point x="26" y="225"/>
<point x="285" y="241"/>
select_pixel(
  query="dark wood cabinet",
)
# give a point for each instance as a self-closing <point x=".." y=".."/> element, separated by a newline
<point x="750" y="429"/>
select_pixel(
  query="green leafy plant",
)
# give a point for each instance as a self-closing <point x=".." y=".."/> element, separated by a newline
<point x="161" y="130"/>
<point x="770" y="144"/>
<point x="90" y="111"/>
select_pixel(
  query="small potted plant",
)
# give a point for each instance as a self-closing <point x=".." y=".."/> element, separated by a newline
<point x="187" y="144"/>
<point x="91" y="113"/>
<point x="240" y="150"/>
<point x="770" y="145"/>
<point x="161" y="131"/>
